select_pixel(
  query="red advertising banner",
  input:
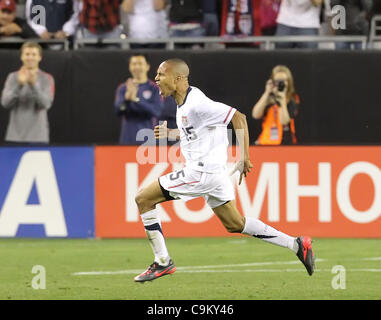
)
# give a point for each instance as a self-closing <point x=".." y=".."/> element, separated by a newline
<point x="331" y="191"/>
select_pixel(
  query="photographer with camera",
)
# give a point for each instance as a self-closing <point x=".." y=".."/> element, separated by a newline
<point x="278" y="108"/>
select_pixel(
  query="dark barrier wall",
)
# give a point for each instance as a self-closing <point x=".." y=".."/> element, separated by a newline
<point x="339" y="90"/>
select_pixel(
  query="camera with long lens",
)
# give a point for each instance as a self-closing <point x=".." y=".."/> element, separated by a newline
<point x="281" y="84"/>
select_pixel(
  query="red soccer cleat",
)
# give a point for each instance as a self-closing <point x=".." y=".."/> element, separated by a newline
<point x="305" y="253"/>
<point x="155" y="271"/>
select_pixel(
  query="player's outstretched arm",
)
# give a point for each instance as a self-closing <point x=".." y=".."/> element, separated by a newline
<point x="161" y="132"/>
<point x="242" y="133"/>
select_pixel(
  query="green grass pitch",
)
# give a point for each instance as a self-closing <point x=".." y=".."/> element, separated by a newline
<point x="207" y="268"/>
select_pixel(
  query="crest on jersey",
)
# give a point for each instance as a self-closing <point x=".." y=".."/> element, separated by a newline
<point x="147" y="94"/>
<point x="184" y="120"/>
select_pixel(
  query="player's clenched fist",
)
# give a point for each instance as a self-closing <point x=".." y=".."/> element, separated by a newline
<point x="161" y="131"/>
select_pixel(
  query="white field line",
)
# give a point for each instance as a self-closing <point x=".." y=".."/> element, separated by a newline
<point x="211" y="268"/>
<point x="192" y="267"/>
<point x="137" y="271"/>
<point x="101" y="273"/>
<point x="273" y="270"/>
<point x="199" y="268"/>
<point x="253" y="264"/>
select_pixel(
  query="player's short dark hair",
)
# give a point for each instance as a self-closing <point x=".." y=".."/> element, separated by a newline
<point x="176" y="61"/>
<point x="138" y="54"/>
<point x="179" y="62"/>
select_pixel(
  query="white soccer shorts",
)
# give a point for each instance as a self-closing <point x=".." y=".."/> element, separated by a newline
<point x="187" y="184"/>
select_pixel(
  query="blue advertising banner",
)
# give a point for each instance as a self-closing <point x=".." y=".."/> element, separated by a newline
<point x="47" y="192"/>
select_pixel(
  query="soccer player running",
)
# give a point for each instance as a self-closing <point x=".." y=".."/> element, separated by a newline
<point x="202" y="131"/>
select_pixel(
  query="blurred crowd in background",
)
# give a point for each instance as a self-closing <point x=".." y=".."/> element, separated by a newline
<point x="161" y="19"/>
<point x="28" y="93"/>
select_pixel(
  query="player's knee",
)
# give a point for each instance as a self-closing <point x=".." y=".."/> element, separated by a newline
<point x="143" y="202"/>
<point x="140" y="199"/>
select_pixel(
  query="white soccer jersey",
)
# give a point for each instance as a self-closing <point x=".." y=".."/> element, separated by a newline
<point x="203" y="131"/>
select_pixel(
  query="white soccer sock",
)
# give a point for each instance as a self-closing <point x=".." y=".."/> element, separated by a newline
<point x="258" y="229"/>
<point x="155" y="236"/>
